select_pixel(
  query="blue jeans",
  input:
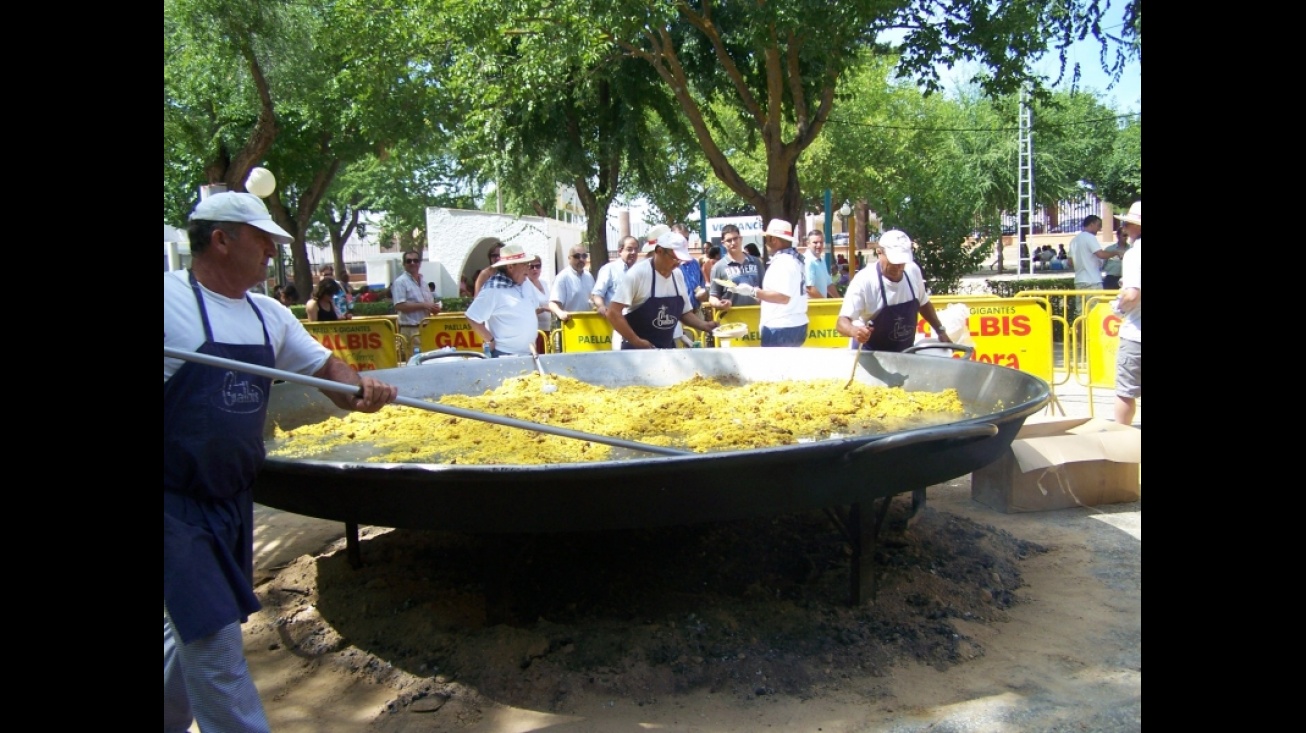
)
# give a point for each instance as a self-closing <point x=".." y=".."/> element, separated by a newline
<point x="792" y="336"/>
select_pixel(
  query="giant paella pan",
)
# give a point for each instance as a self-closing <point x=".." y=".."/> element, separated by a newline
<point x="637" y="490"/>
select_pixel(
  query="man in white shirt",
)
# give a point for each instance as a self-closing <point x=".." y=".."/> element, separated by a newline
<point x="783" y="294"/>
<point x="1087" y="254"/>
<point x="572" y="287"/>
<point x="412" y="298"/>
<point x="605" y="285"/>
<point x="1129" y="352"/>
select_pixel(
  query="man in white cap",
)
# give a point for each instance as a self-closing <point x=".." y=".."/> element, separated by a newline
<point x="503" y="313"/>
<point x="783" y="294"/>
<point x="1129" y="352"/>
<point x="882" y="303"/>
<point x="652" y="298"/>
<point x="213" y="448"/>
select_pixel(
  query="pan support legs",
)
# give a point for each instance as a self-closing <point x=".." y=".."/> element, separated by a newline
<point x="862" y="529"/>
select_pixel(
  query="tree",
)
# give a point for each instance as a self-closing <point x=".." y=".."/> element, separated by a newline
<point x="319" y="86"/>
<point x="778" y="65"/>
<point x="536" y="113"/>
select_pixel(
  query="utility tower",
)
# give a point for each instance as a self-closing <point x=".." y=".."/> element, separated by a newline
<point x="1025" y="185"/>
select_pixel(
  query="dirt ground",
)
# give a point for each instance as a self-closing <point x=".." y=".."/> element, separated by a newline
<point x="982" y="621"/>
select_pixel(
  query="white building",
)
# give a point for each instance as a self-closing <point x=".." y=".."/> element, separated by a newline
<point x="458" y="245"/>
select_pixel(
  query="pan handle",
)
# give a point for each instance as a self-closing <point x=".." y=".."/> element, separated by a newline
<point x="426" y="356"/>
<point x="967" y="350"/>
<point x="925" y="435"/>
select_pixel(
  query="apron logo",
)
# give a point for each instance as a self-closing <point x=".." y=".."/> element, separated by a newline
<point x="239" y="395"/>
<point x="901" y="330"/>
<point x="663" y="320"/>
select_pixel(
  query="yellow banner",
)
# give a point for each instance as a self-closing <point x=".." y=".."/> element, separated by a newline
<point x="437" y="332"/>
<point x="822" y="315"/>
<point x="1010" y="332"/>
<point x="362" y="343"/>
<point x="1101" y="338"/>
<point x="586" y="332"/>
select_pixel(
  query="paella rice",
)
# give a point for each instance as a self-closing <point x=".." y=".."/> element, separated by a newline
<point x="701" y="414"/>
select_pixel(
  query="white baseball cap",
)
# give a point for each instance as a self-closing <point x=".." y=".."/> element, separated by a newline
<point x="896" y="246"/>
<point x="673" y="241"/>
<point x="242" y="207"/>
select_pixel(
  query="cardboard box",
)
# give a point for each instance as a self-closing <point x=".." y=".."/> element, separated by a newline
<point x="1062" y="463"/>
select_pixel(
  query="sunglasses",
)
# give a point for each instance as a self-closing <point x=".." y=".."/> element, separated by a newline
<point x="411" y="262"/>
<point x="536" y="267"/>
<point x="580" y="257"/>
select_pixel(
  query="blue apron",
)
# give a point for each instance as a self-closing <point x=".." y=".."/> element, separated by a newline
<point x="655" y="319"/>
<point x="212" y="450"/>
<point x="894" y="325"/>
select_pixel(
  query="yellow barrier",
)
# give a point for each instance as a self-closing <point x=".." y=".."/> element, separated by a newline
<point x="1101" y="339"/>
<point x="588" y="331"/>
<point x="363" y="343"/>
<point x="437" y="332"/>
<point x="1010" y="332"/>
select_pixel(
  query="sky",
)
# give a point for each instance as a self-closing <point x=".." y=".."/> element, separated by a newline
<point x="1127" y="94"/>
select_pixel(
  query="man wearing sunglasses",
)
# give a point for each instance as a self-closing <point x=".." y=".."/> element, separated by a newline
<point x="413" y="299"/>
<point x="571" y="289"/>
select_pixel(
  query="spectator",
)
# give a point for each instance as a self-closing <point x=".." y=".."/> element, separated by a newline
<point x="1087" y="254"/>
<point x="413" y="300"/>
<point x="819" y="284"/>
<point x="653" y="297"/>
<point x="694" y="281"/>
<point x="543" y="316"/>
<point x="212" y="452"/>
<point x="571" y="288"/>
<point x="503" y="313"/>
<point x="710" y="259"/>
<point x="752" y="249"/>
<point x="737" y="267"/>
<point x="322" y="306"/>
<point x="490" y="271"/>
<point x="1129" y="352"/>
<point x="883" y="303"/>
<point x="605" y="285"/>
<point x="1111" y="268"/>
<point x="1061" y="251"/>
<point x="290" y="295"/>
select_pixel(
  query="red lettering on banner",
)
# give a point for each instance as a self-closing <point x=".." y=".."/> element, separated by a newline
<point x="1003" y="326"/>
<point x="373" y="340"/>
<point x="442" y="339"/>
<point x="1111" y="325"/>
<point x="1007" y="360"/>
